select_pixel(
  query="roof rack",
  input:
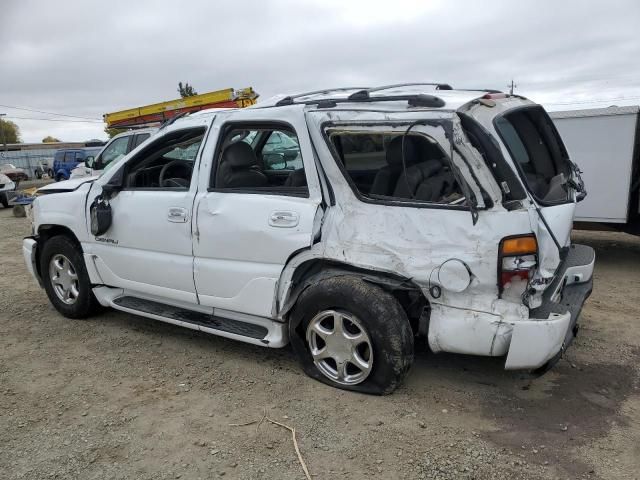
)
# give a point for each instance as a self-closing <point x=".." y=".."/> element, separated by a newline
<point x="363" y="95"/>
<point x="288" y="100"/>
<point x="417" y="100"/>
<point x="488" y="90"/>
<point x="439" y="86"/>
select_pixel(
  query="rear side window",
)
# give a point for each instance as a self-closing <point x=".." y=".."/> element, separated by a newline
<point x="376" y="166"/>
<point x="538" y="152"/>
<point x="139" y="139"/>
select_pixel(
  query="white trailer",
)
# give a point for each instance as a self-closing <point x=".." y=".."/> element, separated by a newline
<point x="604" y="142"/>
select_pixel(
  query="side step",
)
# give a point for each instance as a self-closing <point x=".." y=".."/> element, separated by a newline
<point x="255" y="330"/>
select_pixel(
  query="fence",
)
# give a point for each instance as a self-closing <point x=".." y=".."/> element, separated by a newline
<point x="28" y="160"/>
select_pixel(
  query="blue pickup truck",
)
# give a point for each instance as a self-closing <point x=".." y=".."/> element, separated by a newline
<point x="67" y="159"/>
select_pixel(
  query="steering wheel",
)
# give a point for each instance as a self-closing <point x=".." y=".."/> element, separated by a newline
<point x="175" y="182"/>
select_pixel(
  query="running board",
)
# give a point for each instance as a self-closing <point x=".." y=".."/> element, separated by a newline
<point x="238" y="326"/>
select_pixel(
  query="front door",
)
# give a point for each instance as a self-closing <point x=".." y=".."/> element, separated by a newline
<point x="148" y="248"/>
<point x="259" y="209"/>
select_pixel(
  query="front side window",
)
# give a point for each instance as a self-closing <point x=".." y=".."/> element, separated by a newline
<point x="69" y="157"/>
<point x="264" y="159"/>
<point x="379" y="169"/>
<point x="114" y="151"/>
<point x="167" y="163"/>
<point x="537" y="151"/>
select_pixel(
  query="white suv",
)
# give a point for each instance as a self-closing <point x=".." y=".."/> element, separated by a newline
<point x="348" y="222"/>
<point x="114" y="150"/>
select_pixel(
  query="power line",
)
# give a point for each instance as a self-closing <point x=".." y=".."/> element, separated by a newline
<point x="48" y="113"/>
<point x="53" y="120"/>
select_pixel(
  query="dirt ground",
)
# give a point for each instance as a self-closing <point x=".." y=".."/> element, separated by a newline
<point x="123" y="397"/>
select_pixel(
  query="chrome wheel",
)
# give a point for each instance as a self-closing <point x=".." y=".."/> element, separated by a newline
<point x="64" y="279"/>
<point x="340" y="347"/>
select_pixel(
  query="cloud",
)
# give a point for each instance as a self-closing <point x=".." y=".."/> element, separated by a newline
<point x="88" y="58"/>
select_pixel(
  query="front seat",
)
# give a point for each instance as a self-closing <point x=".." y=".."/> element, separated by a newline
<point x="239" y="168"/>
<point x="387" y="177"/>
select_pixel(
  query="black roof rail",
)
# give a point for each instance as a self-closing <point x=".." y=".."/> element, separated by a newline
<point x="439" y="86"/>
<point x="488" y="90"/>
<point x="289" y="100"/>
<point x="417" y="100"/>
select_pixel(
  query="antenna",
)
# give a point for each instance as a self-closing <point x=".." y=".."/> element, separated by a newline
<point x="512" y="86"/>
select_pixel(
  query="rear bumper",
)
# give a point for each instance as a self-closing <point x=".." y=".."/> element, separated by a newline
<point x="538" y="343"/>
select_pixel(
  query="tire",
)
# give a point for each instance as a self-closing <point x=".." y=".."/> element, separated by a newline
<point x="59" y="177"/>
<point x="4" y="200"/>
<point x="63" y="251"/>
<point x="378" y="351"/>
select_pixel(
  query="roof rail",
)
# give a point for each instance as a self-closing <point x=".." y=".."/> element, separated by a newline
<point x="488" y="90"/>
<point x="417" y="100"/>
<point x="288" y="100"/>
<point x="439" y="86"/>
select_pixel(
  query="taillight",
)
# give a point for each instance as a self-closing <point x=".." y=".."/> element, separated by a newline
<point x="517" y="261"/>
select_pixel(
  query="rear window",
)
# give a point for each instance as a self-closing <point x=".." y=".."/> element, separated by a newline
<point x="538" y="152"/>
<point x="377" y="167"/>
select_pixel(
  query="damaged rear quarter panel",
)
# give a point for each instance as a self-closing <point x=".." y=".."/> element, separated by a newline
<point x="413" y="241"/>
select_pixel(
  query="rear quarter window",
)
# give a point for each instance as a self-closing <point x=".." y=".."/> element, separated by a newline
<point x="537" y="151"/>
<point x="380" y="167"/>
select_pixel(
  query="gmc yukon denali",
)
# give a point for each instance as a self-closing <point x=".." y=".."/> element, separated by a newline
<point x="348" y="222"/>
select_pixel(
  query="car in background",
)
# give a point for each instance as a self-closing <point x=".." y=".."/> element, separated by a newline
<point x="6" y="185"/>
<point x="14" y="173"/>
<point x="66" y="160"/>
<point x="114" y="150"/>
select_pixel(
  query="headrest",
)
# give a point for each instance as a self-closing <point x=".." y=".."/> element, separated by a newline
<point x="239" y="155"/>
<point x="411" y="152"/>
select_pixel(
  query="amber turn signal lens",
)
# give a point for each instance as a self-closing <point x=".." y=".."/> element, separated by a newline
<point x="523" y="245"/>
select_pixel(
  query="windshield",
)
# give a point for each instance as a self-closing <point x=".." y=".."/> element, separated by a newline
<point x="538" y="152"/>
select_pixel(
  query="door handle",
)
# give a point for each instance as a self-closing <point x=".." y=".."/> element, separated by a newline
<point x="284" y="219"/>
<point x="177" y="215"/>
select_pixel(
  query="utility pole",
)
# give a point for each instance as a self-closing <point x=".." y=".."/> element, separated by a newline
<point x="512" y="86"/>
<point x="4" y="141"/>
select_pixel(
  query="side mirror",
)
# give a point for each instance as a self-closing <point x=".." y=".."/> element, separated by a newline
<point x="88" y="162"/>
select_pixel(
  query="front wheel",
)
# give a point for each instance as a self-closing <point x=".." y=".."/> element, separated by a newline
<point x="65" y="278"/>
<point x="352" y="335"/>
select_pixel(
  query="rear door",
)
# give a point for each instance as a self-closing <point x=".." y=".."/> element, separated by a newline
<point x="255" y="214"/>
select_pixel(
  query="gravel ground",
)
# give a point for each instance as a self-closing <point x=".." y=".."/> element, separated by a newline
<point x="119" y="397"/>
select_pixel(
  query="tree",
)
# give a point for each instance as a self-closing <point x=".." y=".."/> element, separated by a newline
<point x="9" y="132"/>
<point x="50" y="139"/>
<point x="186" y="90"/>
<point x="112" y="132"/>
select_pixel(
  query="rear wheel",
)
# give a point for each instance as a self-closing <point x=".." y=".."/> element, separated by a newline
<point x="65" y="278"/>
<point x="353" y="335"/>
<point x="4" y="200"/>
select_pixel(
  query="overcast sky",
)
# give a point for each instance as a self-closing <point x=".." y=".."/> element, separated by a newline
<point x="87" y="58"/>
